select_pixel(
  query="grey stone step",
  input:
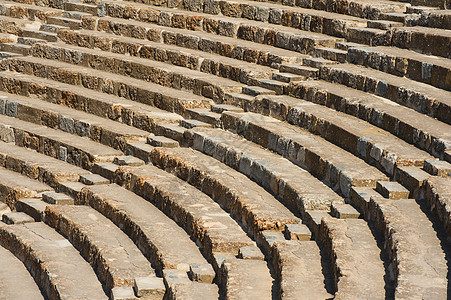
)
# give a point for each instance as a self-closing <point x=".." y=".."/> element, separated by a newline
<point x="362" y="139"/>
<point x="34" y="207"/>
<point x="4" y="54"/>
<point x="194" y="123"/>
<point x="437" y="192"/>
<point x="14" y="186"/>
<point x="161" y="141"/>
<point x="179" y="286"/>
<point x="173" y="100"/>
<point x="77" y="15"/>
<point x="130" y="112"/>
<point x="414" y="127"/>
<point x="16" y="218"/>
<point x="438" y="40"/>
<point x="299" y="271"/>
<point x="76" y="150"/>
<point x="114" y="252"/>
<point x="211" y="63"/>
<point x="257" y="90"/>
<point x="43" y="35"/>
<point x="255" y="207"/>
<point x="16" y="48"/>
<point x="81" y="7"/>
<point x="51" y="28"/>
<point x="287" y="77"/>
<point x="306" y="71"/>
<point x="29" y="41"/>
<point x="204" y="115"/>
<point x="416" y="66"/>
<point x="438" y="168"/>
<point x="240" y="274"/>
<point x="107" y="132"/>
<point x="383" y="24"/>
<point x="317" y="62"/>
<point x="274" y="85"/>
<point x="332" y="54"/>
<point x="369" y="36"/>
<point x="15" y="280"/>
<point x="158" y="237"/>
<point x="254" y="52"/>
<point x="46" y="252"/>
<point x="245" y="29"/>
<point x="296" y="188"/>
<point x="67" y="22"/>
<point x="330" y="163"/>
<point x="224" y="235"/>
<point x="359" y="271"/>
<point x="38" y="166"/>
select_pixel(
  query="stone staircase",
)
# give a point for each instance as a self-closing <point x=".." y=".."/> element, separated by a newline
<point x="225" y="149"/>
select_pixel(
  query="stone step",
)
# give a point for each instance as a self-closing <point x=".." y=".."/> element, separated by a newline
<point x="131" y="112"/>
<point x="58" y="268"/>
<point x="50" y="28"/>
<point x="13" y="26"/>
<point x="332" y="54"/>
<point x="359" y="271"/>
<point x="376" y="146"/>
<point x="16" y="48"/>
<point x="158" y="237"/>
<point x="439" y="19"/>
<point x="29" y="41"/>
<point x="15" y="280"/>
<point x="358" y="8"/>
<point x="7" y="38"/>
<point x="107" y="132"/>
<point x="76" y="150"/>
<point x="189" y="207"/>
<point x="16" y="218"/>
<point x="431" y="41"/>
<point x="317" y="62"/>
<point x="306" y="71"/>
<point x="4" y="54"/>
<point x="76" y="15"/>
<point x="241" y="274"/>
<point x="204" y="115"/>
<point x="162" y="141"/>
<point x="414" y="261"/>
<point x="179" y="286"/>
<point x="418" y="129"/>
<point x="270" y="84"/>
<point x="172" y="100"/>
<point x="114" y="257"/>
<point x="296" y="188"/>
<point x="433" y="101"/>
<point x="331" y="164"/>
<point x="252" y="205"/>
<point x="82" y="7"/>
<point x="34" y="207"/>
<point x="287" y="77"/>
<point x="27" y="11"/>
<point x="369" y="36"/>
<point x="300" y="270"/>
<point x="210" y="63"/>
<point x="38" y="166"/>
<point x="150" y="71"/>
<point x="392" y="190"/>
<point x="425" y="68"/>
<point x="257" y="90"/>
<point x="437" y="191"/>
<point x="14" y="186"/>
<point x="43" y="35"/>
<point x="194" y="123"/>
<point x="67" y="22"/>
<point x="383" y="24"/>
<point x="243" y="29"/>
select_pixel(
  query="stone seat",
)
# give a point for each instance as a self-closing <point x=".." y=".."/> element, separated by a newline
<point x="15" y="280"/>
<point x="424" y="132"/>
<point x="432" y="101"/>
<point x="305" y="149"/>
<point x="76" y="150"/>
<point x="359" y="270"/>
<point x="296" y="188"/>
<point x="205" y="62"/>
<point x="437" y="192"/>
<point x="131" y="112"/>
<point x="240" y="28"/>
<point x="13" y="26"/>
<point x="114" y="257"/>
<point x="254" y="52"/>
<point x="401" y="222"/>
<point x="142" y="71"/>
<point x="171" y="100"/>
<point x="244" y="199"/>
<point x="58" y="268"/>
<point x="38" y="166"/>
<point x="107" y="132"/>
<point x="424" y="68"/>
<point x="14" y="186"/>
<point x="27" y="11"/>
<point x="362" y="139"/>
<point x="432" y="41"/>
